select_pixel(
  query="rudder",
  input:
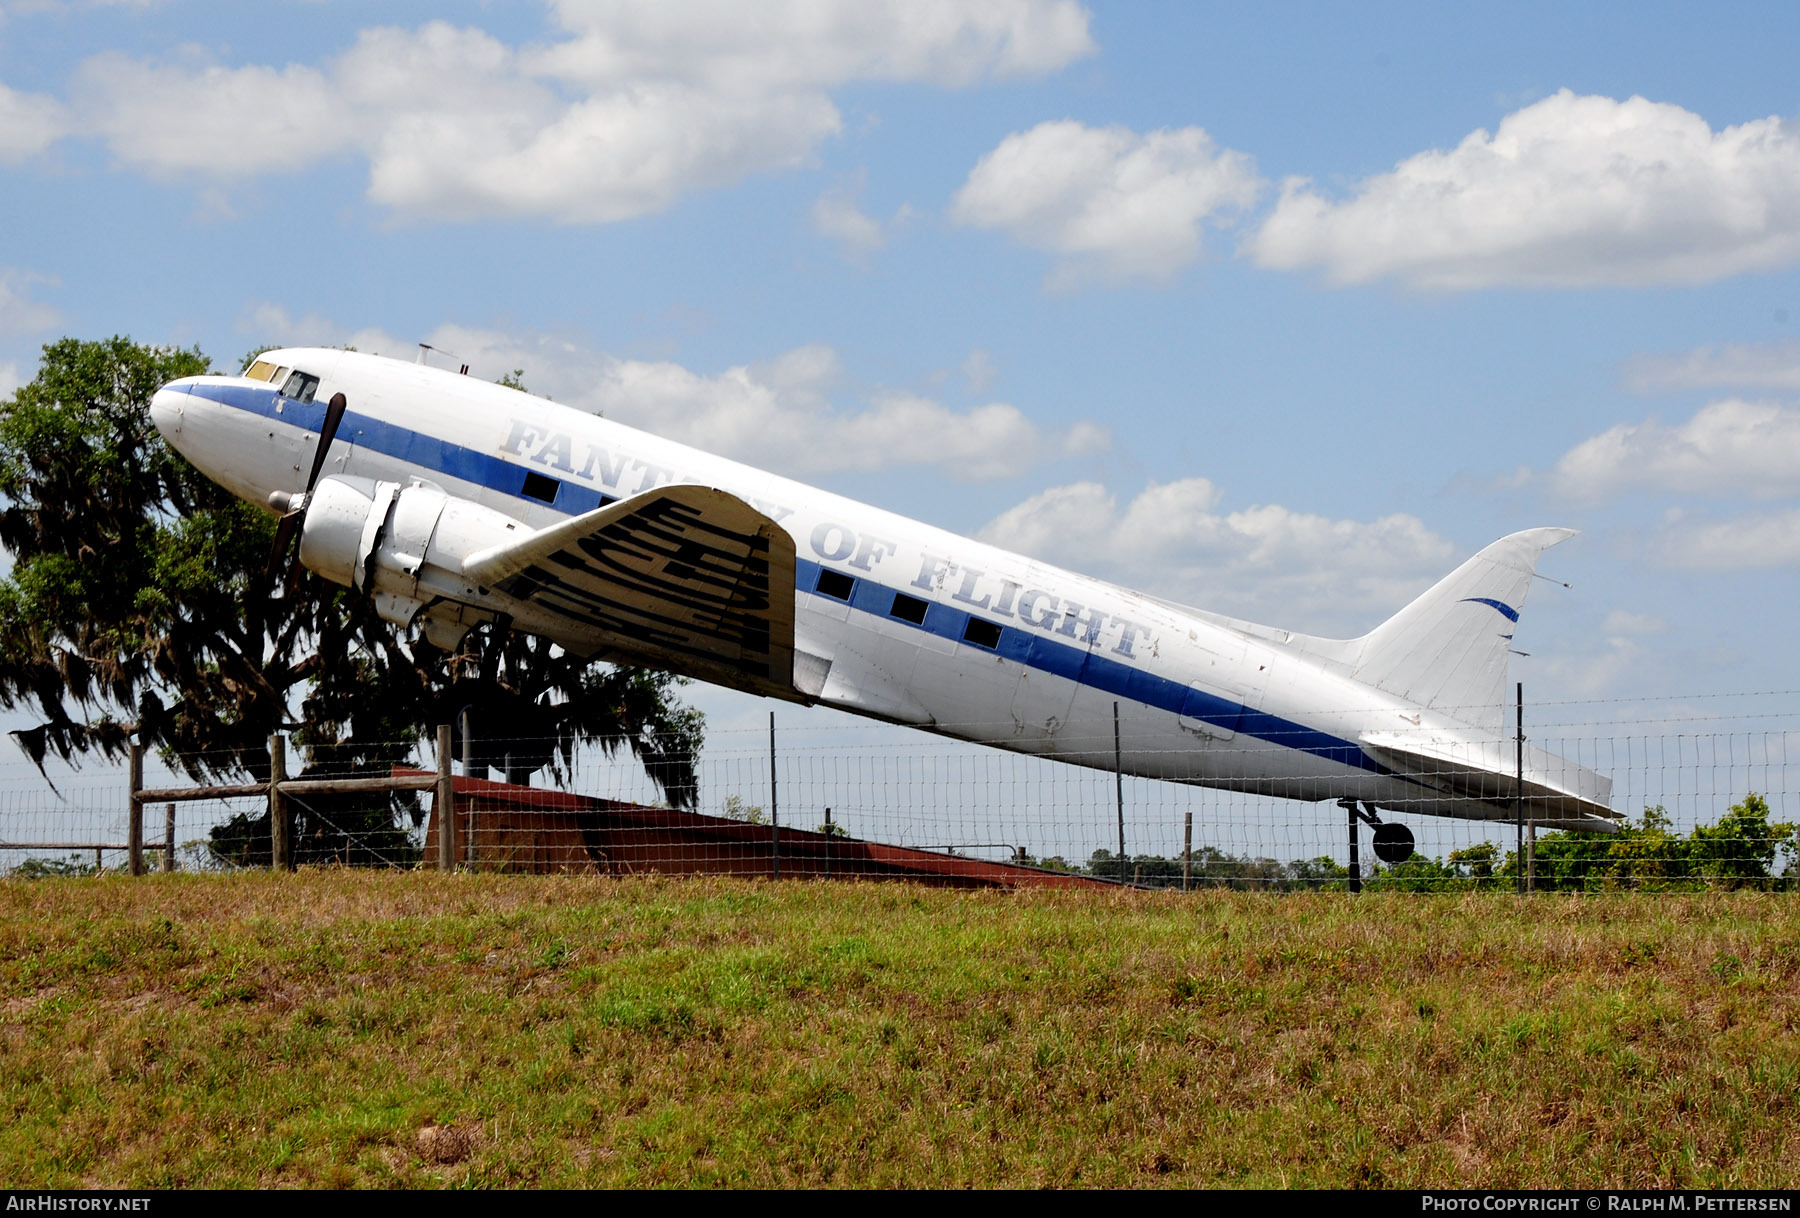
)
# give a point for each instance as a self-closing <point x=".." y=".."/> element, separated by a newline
<point x="1447" y="650"/>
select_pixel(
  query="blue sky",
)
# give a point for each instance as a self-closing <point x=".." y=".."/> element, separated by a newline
<point x="1277" y="310"/>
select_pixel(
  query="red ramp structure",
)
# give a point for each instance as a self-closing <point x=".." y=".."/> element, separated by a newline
<point x="505" y="827"/>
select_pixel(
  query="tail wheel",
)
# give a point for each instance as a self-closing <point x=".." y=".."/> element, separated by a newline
<point x="1393" y="842"/>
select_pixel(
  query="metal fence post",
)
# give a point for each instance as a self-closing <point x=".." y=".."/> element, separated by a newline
<point x="168" y="837"/>
<point x="135" y="832"/>
<point x="774" y="803"/>
<point x="446" y="802"/>
<point x="1519" y="788"/>
<point x="281" y="827"/>
<point x="1119" y="790"/>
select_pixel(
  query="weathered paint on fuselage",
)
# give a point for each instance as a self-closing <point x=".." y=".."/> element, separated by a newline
<point x="1197" y="702"/>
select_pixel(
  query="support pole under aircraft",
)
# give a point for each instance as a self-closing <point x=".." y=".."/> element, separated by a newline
<point x="1119" y="789"/>
<point x="1519" y="787"/>
<point x="774" y="804"/>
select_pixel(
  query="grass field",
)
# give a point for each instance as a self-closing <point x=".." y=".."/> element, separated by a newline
<point x="354" y="1028"/>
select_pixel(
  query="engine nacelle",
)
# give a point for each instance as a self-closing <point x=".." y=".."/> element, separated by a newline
<point x="404" y="545"/>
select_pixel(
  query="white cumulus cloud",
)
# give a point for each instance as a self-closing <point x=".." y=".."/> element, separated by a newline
<point x="781" y="43"/>
<point x="1773" y="365"/>
<point x="29" y="123"/>
<point x="174" y="118"/>
<point x="778" y="416"/>
<point x="1269" y="563"/>
<point x="979" y="370"/>
<point x="272" y="324"/>
<point x="1732" y="447"/>
<point x="837" y="217"/>
<point x="1622" y="622"/>
<point x="1751" y="542"/>
<point x="632" y="107"/>
<point x="1112" y="203"/>
<point x="1572" y="191"/>
<point x="782" y="414"/>
<point x="1598" y="667"/>
<point x="19" y="313"/>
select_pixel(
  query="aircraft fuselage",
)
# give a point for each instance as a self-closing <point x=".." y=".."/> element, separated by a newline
<point x="914" y="624"/>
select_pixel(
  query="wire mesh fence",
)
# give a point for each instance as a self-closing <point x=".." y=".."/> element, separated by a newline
<point x="1708" y="799"/>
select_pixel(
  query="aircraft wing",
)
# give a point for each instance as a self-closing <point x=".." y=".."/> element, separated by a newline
<point x="1557" y="792"/>
<point x="683" y="577"/>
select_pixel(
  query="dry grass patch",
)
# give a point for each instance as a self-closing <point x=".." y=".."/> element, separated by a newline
<point x="341" y="1028"/>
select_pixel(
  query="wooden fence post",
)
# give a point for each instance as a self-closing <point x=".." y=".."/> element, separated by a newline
<point x="1187" y="850"/>
<point x="135" y="832"/>
<point x="446" y="802"/>
<point x="281" y="827"/>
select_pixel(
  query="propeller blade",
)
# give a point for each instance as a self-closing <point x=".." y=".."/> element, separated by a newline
<point x="284" y="537"/>
<point x="290" y="523"/>
<point x="334" y="416"/>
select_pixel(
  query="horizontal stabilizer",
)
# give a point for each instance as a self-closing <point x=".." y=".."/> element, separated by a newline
<point x="1447" y="650"/>
<point x="687" y="578"/>
<point x="1557" y="793"/>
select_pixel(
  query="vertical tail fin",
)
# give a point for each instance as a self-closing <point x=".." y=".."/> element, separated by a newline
<point x="1447" y="650"/>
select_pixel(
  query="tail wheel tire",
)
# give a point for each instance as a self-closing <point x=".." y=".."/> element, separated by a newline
<point x="1393" y="842"/>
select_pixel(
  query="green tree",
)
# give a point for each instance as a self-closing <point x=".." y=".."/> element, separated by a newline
<point x="1476" y="862"/>
<point x="1418" y="874"/>
<point x="1740" y="851"/>
<point x="128" y="569"/>
<point x="137" y="603"/>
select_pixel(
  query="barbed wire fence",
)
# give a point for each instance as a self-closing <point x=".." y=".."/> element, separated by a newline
<point x="1707" y="785"/>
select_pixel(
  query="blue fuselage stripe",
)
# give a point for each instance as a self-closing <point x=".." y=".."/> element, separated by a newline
<point x="1077" y="664"/>
<point x="1096" y="671"/>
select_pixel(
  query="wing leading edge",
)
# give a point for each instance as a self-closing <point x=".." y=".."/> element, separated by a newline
<point x="683" y="577"/>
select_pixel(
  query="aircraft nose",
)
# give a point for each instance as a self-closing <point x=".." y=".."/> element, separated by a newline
<point x="168" y="407"/>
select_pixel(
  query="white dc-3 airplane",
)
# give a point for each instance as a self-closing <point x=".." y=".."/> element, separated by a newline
<point x="452" y="501"/>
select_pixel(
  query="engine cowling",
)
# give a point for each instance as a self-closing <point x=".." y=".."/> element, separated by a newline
<point x="404" y="545"/>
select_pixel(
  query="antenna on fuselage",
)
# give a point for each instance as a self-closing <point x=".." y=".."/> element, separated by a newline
<point x="425" y="348"/>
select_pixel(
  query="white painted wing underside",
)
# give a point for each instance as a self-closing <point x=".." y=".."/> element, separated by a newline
<point x="688" y="578"/>
<point x="1557" y="792"/>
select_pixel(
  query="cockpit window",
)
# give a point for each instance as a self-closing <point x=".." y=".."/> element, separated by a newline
<point x="300" y="387"/>
<point x="261" y="370"/>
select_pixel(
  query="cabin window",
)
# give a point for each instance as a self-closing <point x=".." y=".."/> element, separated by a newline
<point x="261" y="370"/>
<point x="909" y="609"/>
<point x="541" y="488"/>
<point x="835" y="584"/>
<point x="300" y="387"/>
<point x="982" y="634"/>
